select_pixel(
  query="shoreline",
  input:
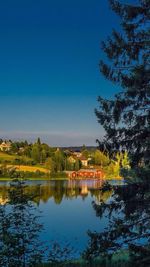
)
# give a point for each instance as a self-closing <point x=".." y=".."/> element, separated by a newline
<point x="61" y="179"/>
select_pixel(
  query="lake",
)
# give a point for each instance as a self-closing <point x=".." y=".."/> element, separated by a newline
<point x="67" y="211"/>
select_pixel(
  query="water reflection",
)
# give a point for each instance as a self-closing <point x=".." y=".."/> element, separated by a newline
<point x="59" y="190"/>
<point x="66" y="208"/>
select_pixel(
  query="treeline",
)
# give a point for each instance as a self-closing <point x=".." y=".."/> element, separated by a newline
<point x="37" y="152"/>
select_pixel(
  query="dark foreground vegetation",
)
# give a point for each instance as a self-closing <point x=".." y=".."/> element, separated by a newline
<point x="126" y="120"/>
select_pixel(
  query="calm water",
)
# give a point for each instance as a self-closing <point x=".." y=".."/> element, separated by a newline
<point x="67" y="212"/>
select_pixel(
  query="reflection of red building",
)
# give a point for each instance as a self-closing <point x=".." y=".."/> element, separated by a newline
<point x="71" y="174"/>
<point x="84" y="190"/>
<point x="86" y="173"/>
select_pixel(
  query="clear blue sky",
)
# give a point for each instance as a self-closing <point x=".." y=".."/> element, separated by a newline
<point x="49" y="73"/>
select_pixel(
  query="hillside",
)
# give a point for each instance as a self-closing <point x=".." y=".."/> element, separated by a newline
<point x="11" y="158"/>
<point x="25" y="168"/>
<point x="22" y="163"/>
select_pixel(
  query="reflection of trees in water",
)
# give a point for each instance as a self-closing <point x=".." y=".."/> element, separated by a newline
<point x="100" y="196"/>
<point x="59" y="190"/>
<point x="129" y="225"/>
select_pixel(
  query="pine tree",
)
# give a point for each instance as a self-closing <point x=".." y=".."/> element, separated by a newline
<point x="126" y="118"/>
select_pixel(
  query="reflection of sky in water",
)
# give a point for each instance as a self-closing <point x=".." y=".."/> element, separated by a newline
<point x="70" y="221"/>
<point x="67" y="212"/>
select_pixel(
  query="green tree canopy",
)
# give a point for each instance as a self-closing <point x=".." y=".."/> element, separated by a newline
<point x="50" y="164"/>
<point x="59" y="159"/>
<point x="35" y="153"/>
<point x="100" y="158"/>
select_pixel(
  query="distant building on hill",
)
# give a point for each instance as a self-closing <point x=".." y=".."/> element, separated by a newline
<point x="71" y="159"/>
<point x="5" y="146"/>
<point x="77" y="154"/>
<point x="84" y="161"/>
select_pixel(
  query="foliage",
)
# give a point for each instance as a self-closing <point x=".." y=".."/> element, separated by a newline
<point x="59" y="160"/>
<point x="19" y="229"/>
<point x="101" y="159"/>
<point x="77" y="165"/>
<point x="97" y="263"/>
<point x="59" y="254"/>
<point x="85" y="153"/>
<point x="119" y="161"/>
<point x="35" y="153"/>
<point x="50" y="164"/>
<point x="126" y="118"/>
<point x="15" y="159"/>
<point x="129" y="227"/>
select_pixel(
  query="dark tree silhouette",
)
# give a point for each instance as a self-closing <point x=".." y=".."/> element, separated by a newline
<point x="129" y="225"/>
<point x="19" y="229"/>
<point x="126" y="118"/>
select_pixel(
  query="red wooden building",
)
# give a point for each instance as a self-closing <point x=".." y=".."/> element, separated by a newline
<point x="86" y="174"/>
